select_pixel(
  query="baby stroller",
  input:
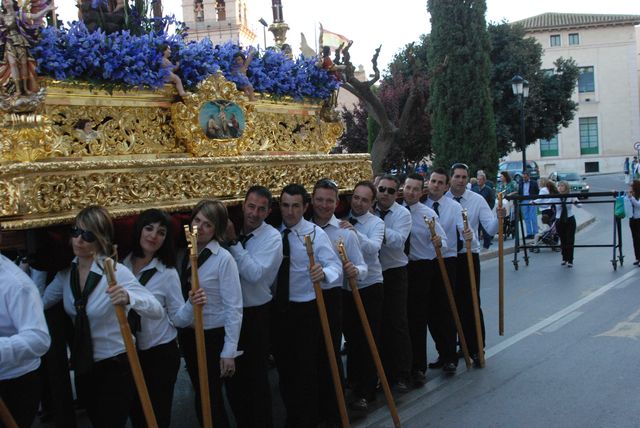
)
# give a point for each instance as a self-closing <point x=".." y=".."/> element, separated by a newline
<point x="509" y="222"/>
<point x="549" y="236"/>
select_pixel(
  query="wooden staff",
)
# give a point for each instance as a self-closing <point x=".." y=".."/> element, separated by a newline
<point x="132" y="354"/>
<point x="203" y="374"/>
<point x="324" y="322"/>
<point x="500" y="268"/>
<point x="474" y="292"/>
<point x="431" y="223"/>
<point x="6" y="417"/>
<point x="372" y="343"/>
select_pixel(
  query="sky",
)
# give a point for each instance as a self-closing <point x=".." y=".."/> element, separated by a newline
<point x="392" y="24"/>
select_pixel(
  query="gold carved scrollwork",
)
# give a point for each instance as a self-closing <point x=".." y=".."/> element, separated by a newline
<point x="186" y="119"/>
<point x="26" y="138"/>
<point x="282" y="132"/>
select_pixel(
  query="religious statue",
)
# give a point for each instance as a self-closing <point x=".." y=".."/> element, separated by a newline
<point x="166" y="63"/>
<point x="18" y="32"/>
<point x="239" y="68"/>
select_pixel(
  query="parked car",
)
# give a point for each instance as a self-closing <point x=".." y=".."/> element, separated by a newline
<point x="577" y="183"/>
<point x="514" y="168"/>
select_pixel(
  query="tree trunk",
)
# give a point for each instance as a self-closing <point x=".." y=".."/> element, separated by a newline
<point x="157" y="8"/>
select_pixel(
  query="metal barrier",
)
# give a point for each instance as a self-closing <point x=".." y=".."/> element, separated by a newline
<point x="519" y="229"/>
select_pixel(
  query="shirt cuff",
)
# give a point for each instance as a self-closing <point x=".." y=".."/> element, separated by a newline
<point x="230" y="350"/>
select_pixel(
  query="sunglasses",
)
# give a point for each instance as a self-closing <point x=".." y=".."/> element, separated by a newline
<point x="326" y="182"/>
<point x="459" y="166"/>
<point x="389" y="190"/>
<point x="86" y="235"/>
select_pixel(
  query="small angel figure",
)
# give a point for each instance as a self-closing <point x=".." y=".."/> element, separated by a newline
<point x="239" y="68"/>
<point x="18" y="32"/>
<point x="166" y="62"/>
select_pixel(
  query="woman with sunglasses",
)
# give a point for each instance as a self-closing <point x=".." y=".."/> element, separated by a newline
<point x="222" y="313"/>
<point x="152" y="261"/>
<point x="104" y="384"/>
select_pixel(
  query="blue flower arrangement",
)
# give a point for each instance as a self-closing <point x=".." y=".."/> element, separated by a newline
<point x="124" y="60"/>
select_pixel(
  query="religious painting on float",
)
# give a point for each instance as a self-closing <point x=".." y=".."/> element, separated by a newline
<point x="221" y="119"/>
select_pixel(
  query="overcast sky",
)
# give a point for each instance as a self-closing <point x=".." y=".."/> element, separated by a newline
<point x="392" y="24"/>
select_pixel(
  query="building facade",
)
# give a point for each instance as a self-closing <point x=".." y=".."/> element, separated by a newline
<point x="607" y="121"/>
<point x="220" y="20"/>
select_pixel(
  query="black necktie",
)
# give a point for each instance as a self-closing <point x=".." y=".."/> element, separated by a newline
<point x="186" y="271"/>
<point x="133" y="317"/>
<point x="82" y="346"/>
<point x="460" y="244"/>
<point x="436" y="205"/>
<point x="244" y="238"/>
<point x="407" y="243"/>
<point x="282" y="286"/>
<point x="353" y="221"/>
<point x="383" y="214"/>
<point x="563" y="214"/>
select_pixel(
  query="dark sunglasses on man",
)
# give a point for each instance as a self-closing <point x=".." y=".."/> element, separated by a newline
<point x="87" y="235"/>
<point x="389" y="190"/>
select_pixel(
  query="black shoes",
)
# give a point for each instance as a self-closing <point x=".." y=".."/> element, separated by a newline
<point x="449" y="368"/>
<point x="418" y="378"/>
<point x="359" y="405"/>
<point x="401" y="387"/>
<point x="437" y="364"/>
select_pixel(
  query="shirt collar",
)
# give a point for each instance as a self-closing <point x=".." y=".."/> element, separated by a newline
<point x="214" y="246"/>
<point x="154" y="263"/>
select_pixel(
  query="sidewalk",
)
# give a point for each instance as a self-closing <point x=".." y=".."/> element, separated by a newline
<point x="583" y="219"/>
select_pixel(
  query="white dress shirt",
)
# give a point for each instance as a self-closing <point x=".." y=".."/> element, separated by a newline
<point x="543" y="203"/>
<point x="478" y="212"/>
<point x="24" y="336"/>
<point x="219" y="278"/>
<point x="370" y="233"/>
<point x="105" y="331"/>
<point x="352" y="248"/>
<point x="450" y="219"/>
<point x="165" y="286"/>
<point x="300" y="286"/>
<point x="420" y="245"/>
<point x="635" y="206"/>
<point x="258" y="264"/>
<point x="569" y="203"/>
<point x="397" y="226"/>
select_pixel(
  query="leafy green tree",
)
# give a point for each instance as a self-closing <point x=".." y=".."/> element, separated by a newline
<point x="460" y="100"/>
<point x="355" y="136"/>
<point x="549" y="105"/>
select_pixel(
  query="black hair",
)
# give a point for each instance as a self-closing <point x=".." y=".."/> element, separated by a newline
<point x="416" y="176"/>
<point x="391" y="177"/>
<point x="296" y="189"/>
<point x="326" y="183"/>
<point x="442" y="171"/>
<point x="260" y="191"/>
<point x="166" y="252"/>
<point x="370" y="185"/>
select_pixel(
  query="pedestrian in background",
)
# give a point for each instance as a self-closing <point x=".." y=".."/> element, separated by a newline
<point x="489" y="195"/>
<point x="566" y="221"/>
<point x="627" y="170"/>
<point x="529" y="187"/>
<point x="634" y="219"/>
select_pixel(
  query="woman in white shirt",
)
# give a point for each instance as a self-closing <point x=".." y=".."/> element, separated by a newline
<point x="634" y="218"/>
<point x="152" y="261"/>
<point x="566" y="223"/>
<point x="222" y="313"/>
<point x="104" y="384"/>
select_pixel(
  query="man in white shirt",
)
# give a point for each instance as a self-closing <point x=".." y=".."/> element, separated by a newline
<point x="296" y="324"/>
<point x="257" y="251"/>
<point x="440" y="318"/>
<point x="324" y="201"/>
<point x="369" y="230"/>
<point x="24" y="338"/>
<point x="421" y="272"/>
<point x="478" y="212"/>
<point x="395" y="346"/>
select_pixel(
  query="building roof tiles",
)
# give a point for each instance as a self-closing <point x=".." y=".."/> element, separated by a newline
<point x="550" y="20"/>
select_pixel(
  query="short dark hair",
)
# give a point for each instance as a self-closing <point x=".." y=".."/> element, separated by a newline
<point x="296" y="189"/>
<point x="415" y="176"/>
<point x="260" y="191"/>
<point x="441" y="171"/>
<point x="369" y="184"/>
<point x="392" y="178"/>
<point x="459" y="165"/>
<point x="166" y="252"/>
<point x="326" y="183"/>
<point x="239" y="54"/>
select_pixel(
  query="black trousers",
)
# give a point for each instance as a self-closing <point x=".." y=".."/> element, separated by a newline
<point x="361" y="369"/>
<point x="567" y="233"/>
<point x="214" y="341"/>
<point x="22" y="396"/>
<point x="420" y="276"/>
<point x="394" y="335"/>
<point x="328" y="405"/>
<point x="248" y="390"/>
<point x="160" y="366"/>
<point x="107" y="392"/>
<point x="439" y="316"/>
<point x="634" y="225"/>
<point x="296" y="335"/>
<point x="465" y="303"/>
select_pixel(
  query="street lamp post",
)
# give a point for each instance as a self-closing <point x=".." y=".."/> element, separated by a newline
<point x="264" y="31"/>
<point x="520" y="89"/>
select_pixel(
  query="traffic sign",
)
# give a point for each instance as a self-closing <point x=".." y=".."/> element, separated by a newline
<point x="636" y="146"/>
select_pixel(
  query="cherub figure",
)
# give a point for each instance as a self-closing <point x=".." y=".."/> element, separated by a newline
<point x="239" y="68"/>
<point x="18" y="28"/>
<point x="166" y="63"/>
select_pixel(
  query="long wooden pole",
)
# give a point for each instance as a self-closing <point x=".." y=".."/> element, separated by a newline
<point x="500" y="268"/>
<point x="355" y="292"/>
<point x="201" y="351"/>
<point x="132" y="354"/>
<point x="452" y="301"/>
<point x="6" y="417"/>
<point x="474" y="293"/>
<point x="324" y="322"/>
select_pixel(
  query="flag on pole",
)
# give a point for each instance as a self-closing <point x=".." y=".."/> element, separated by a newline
<point x="331" y="39"/>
